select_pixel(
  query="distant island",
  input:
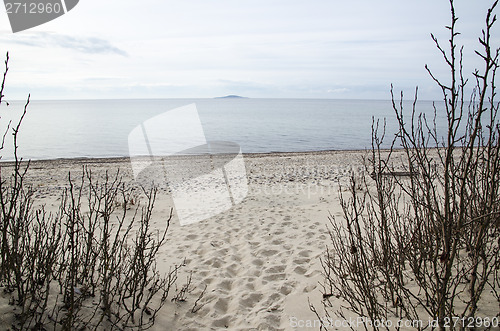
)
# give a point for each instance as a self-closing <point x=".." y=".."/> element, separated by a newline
<point x="231" y="96"/>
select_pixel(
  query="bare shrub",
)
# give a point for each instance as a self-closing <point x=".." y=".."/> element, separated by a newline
<point x="422" y="243"/>
<point x="91" y="265"/>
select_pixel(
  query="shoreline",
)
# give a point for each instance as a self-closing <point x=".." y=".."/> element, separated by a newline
<point x="121" y="159"/>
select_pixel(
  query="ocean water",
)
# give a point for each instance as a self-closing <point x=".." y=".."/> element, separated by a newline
<point x="100" y="128"/>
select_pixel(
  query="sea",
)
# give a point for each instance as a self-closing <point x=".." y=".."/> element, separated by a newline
<point x="101" y="128"/>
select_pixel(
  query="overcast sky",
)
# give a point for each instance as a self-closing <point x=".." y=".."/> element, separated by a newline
<point x="273" y="48"/>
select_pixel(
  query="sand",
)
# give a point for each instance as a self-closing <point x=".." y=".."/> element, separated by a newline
<point x="257" y="261"/>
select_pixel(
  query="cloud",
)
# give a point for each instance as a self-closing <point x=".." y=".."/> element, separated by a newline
<point x="317" y="49"/>
<point x="90" y="45"/>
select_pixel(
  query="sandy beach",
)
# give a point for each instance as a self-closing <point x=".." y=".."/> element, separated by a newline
<point x="257" y="263"/>
<point x="259" y="260"/>
<point x="248" y="166"/>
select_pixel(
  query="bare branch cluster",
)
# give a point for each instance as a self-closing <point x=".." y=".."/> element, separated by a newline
<point x="89" y="266"/>
<point x="425" y="246"/>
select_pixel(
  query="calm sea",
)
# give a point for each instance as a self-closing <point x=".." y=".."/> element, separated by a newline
<point x="100" y="128"/>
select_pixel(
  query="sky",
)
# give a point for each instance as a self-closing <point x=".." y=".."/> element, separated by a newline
<point x="261" y="49"/>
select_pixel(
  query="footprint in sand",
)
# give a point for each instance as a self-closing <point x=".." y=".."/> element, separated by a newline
<point x="258" y="262"/>
<point x="309" y="235"/>
<point x="301" y="261"/>
<point x="276" y="269"/>
<point x="277" y="242"/>
<point x="275" y="277"/>
<point x="286" y="289"/>
<point x="268" y="252"/>
<point x="236" y="258"/>
<point x="250" y="300"/>
<point x="305" y="253"/>
<point x="311" y="227"/>
<point x="254" y="244"/>
<point x="222" y="322"/>
<point x="225" y="285"/>
<point x="250" y="283"/>
<point x="214" y="262"/>
<point x="309" y="288"/>
<point x="232" y="270"/>
<point x="274" y="300"/>
<point x="221" y="305"/>
<point x="300" y="270"/>
<point x="256" y="272"/>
